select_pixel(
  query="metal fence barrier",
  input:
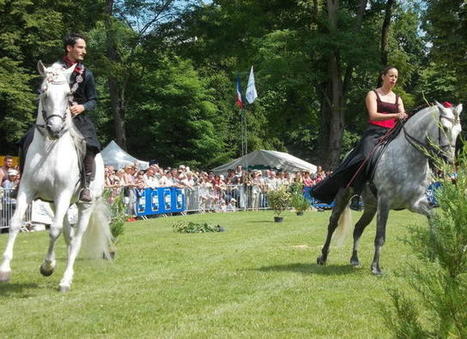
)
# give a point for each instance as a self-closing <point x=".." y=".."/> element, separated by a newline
<point x="8" y="206"/>
<point x="164" y="201"/>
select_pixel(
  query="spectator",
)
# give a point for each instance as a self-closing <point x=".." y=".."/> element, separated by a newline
<point x="7" y="164"/>
<point x="12" y="180"/>
<point x="150" y="179"/>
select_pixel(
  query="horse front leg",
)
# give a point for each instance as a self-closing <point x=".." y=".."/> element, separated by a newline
<point x="84" y="214"/>
<point x="383" y="213"/>
<point x="61" y="206"/>
<point x="22" y="202"/>
<point x="368" y="215"/>
<point x="360" y="226"/>
<point x="342" y="199"/>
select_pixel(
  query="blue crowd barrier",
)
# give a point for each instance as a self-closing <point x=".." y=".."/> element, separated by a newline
<point x="151" y="201"/>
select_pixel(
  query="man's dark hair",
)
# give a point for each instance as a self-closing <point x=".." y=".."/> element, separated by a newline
<point x="71" y="39"/>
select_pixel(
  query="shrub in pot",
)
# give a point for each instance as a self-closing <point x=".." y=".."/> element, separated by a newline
<point x="299" y="203"/>
<point x="279" y="201"/>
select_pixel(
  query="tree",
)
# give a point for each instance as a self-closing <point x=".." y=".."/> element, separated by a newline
<point x="173" y="117"/>
<point x="127" y="23"/>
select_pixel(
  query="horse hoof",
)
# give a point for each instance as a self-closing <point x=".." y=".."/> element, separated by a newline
<point x="376" y="271"/>
<point x="320" y="260"/>
<point x="46" y="271"/>
<point x="5" y="276"/>
<point x="64" y="289"/>
<point x="355" y="262"/>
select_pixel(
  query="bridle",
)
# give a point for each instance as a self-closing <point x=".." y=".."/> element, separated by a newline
<point x="42" y="127"/>
<point x="428" y="148"/>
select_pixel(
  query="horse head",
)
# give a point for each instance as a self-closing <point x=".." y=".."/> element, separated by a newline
<point x="54" y="98"/>
<point x="449" y="129"/>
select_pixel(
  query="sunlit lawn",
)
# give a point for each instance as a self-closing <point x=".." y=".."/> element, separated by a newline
<point x="257" y="279"/>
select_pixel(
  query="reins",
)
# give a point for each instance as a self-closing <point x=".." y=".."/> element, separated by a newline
<point x="427" y="147"/>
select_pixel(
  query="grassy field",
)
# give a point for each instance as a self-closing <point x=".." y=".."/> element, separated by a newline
<point x="258" y="279"/>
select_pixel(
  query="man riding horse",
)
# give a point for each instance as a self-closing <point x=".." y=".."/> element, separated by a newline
<point x="82" y="100"/>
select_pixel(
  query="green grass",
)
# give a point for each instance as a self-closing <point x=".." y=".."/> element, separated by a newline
<point x="258" y="279"/>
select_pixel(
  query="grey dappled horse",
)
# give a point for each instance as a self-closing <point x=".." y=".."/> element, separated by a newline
<point x="402" y="175"/>
<point x="52" y="173"/>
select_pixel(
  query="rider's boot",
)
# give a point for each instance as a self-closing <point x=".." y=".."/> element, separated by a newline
<point x="87" y="178"/>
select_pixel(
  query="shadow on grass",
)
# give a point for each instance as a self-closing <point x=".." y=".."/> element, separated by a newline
<point x="16" y="289"/>
<point x="261" y="221"/>
<point x="311" y="269"/>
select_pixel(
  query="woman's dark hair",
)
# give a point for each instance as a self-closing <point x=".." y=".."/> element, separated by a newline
<point x="385" y="71"/>
<point x="71" y="39"/>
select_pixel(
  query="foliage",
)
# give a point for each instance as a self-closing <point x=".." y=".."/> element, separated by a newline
<point x="193" y="227"/>
<point x="167" y="69"/>
<point x="118" y="212"/>
<point x="299" y="203"/>
<point x="279" y="200"/>
<point x="439" y="275"/>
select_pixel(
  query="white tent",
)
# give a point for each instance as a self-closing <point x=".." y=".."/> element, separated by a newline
<point x="268" y="159"/>
<point x="114" y="156"/>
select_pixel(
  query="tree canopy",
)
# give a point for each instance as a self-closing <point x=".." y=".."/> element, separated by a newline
<point x="166" y="69"/>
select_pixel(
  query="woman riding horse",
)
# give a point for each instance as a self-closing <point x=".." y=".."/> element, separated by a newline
<point x="384" y="108"/>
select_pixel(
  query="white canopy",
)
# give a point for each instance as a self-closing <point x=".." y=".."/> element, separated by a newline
<point x="268" y="159"/>
<point x="114" y="156"/>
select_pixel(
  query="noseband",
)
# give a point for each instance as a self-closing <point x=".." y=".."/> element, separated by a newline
<point x="45" y="116"/>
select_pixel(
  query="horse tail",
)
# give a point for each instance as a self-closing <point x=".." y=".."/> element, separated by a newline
<point x="97" y="241"/>
<point x="343" y="226"/>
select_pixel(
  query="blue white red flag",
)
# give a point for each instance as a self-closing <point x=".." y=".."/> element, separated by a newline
<point x="239" y="101"/>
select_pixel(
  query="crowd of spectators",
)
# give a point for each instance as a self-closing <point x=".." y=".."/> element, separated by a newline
<point x="183" y="177"/>
<point x="216" y="192"/>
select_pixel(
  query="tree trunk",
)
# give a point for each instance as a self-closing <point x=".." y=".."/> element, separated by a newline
<point x="116" y="89"/>
<point x="332" y="113"/>
<point x="385" y="31"/>
<point x="358" y="25"/>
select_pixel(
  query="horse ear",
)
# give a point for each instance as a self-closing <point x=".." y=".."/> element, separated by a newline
<point x="458" y="109"/>
<point x="440" y="107"/>
<point x="68" y="72"/>
<point x="41" y="68"/>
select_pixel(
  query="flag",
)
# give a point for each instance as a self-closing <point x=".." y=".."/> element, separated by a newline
<point x="251" y="94"/>
<point x="239" y="101"/>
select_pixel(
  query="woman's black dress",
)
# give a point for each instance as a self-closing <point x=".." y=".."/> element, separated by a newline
<point x="346" y="173"/>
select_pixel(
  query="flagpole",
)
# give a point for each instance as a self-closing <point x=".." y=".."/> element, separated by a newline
<point x="246" y="136"/>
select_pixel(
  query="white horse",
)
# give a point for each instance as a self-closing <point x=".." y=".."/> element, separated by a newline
<point x="52" y="173"/>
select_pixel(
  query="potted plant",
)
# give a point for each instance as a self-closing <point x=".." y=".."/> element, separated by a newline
<point x="279" y="201"/>
<point x="299" y="203"/>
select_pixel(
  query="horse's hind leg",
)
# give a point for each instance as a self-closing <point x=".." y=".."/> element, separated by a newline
<point x="22" y="203"/>
<point x="342" y="199"/>
<point x="61" y="207"/>
<point x="368" y="215"/>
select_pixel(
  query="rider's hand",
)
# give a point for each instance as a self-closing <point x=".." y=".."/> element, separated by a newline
<point x="76" y="109"/>
<point x="402" y="115"/>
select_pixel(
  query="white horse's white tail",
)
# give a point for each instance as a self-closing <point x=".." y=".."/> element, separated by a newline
<point x="343" y="227"/>
<point x="97" y="240"/>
